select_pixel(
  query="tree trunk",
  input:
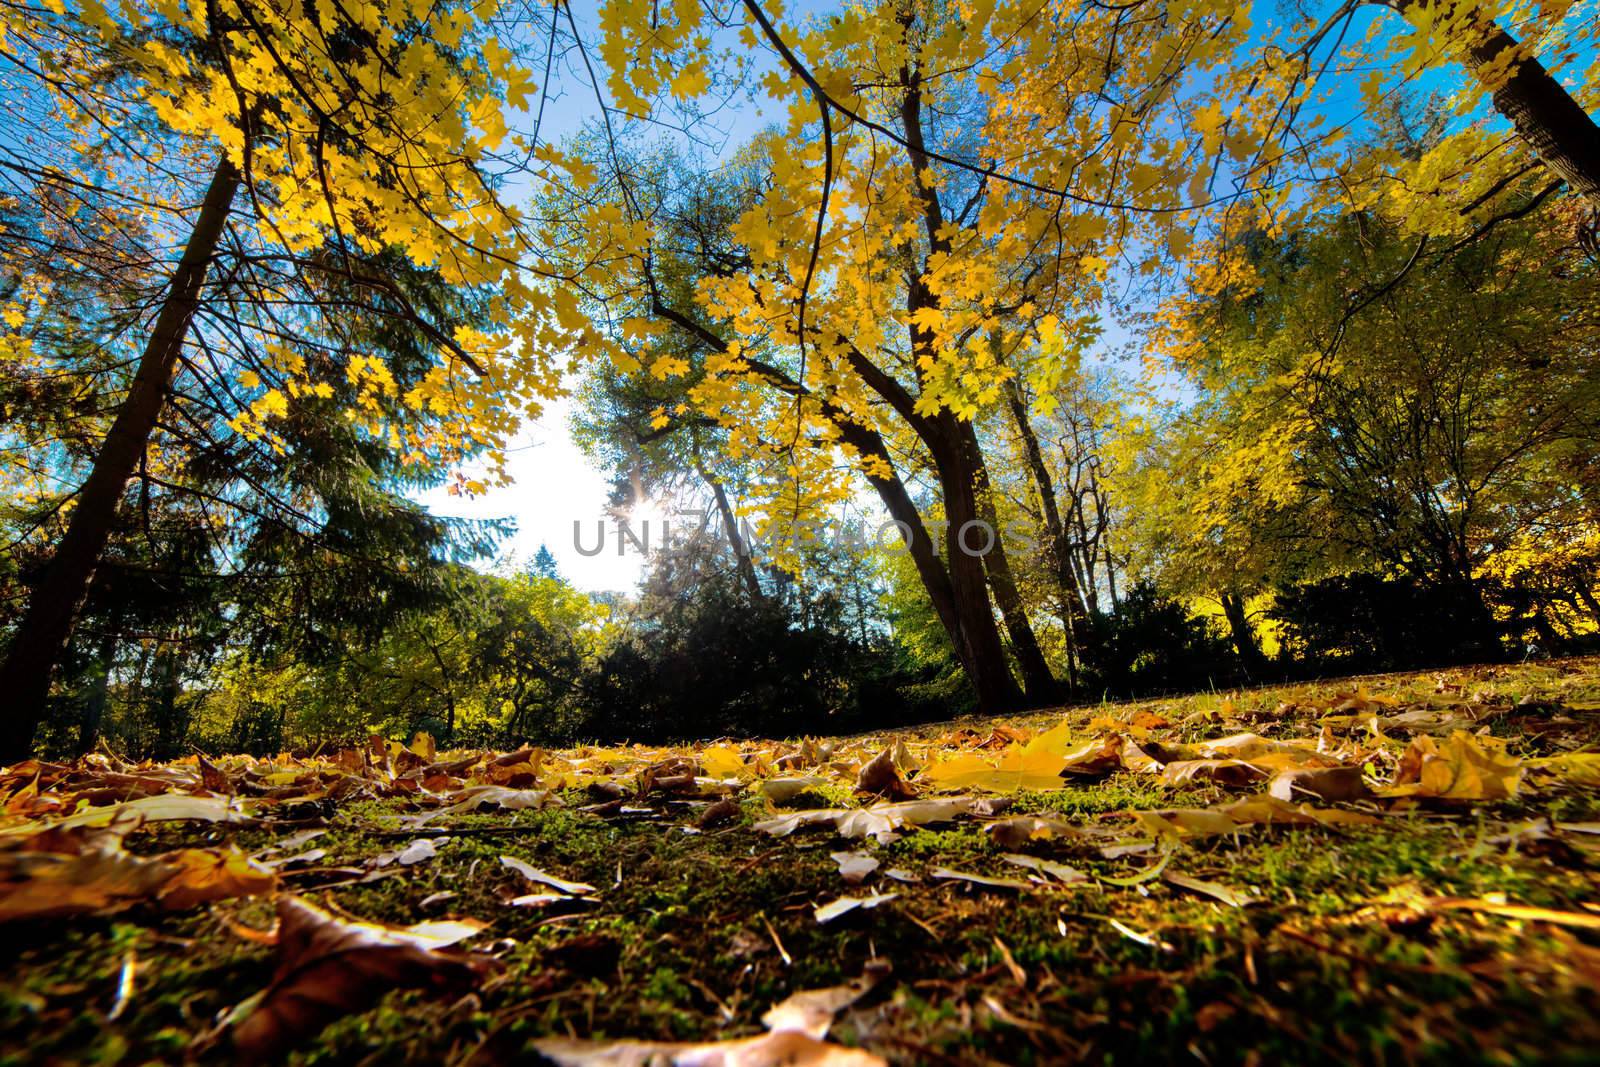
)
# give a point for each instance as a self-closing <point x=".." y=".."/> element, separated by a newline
<point x="171" y="727"/>
<point x="64" y="582"/>
<point x="1544" y="114"/>
<point x="1038" y="682"/>
<point x="94" y="708"/>
<point x="1073" y="611"/>
<point x="730" y="526"/>
<point x="967" y="567"/>
<point x="967" y="619"/>
<point x="1244" y="637"/>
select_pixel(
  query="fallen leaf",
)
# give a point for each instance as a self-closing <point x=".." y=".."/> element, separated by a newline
<point x="1331" y="784"/>
<point x="879" y="820"/>
<point x="538" y="877"/>
<point x="827" y="913"/>
<point x="1018" y="830"/>
<point x="1579" y="768"/>
<point x="785" y="1048"/>
<point x="881" y="777"/>
<point x="783" y="790"/>
<point x="86" y="870"/>
<point x="812" y="1011"/>
<point x="722" y="761"/>
<point x="1037" y="764"/>
<point x="1142" y="938"/>
<point x="418" y="851"/>
<point x="854" y="866"/>
<point x="946" y="874"/>
<point x="1149" y="874"/>
<point x="1581" y="919"/>
<point x="1213" y="890"/>
<point x="717" y="813"/>
<point x="167" y="807"/>
<point x="329" y="968"/>
<point x="203" y="875"/>
<point x="1231" y="772"/>
<point x="502" y="797"/>
<point x="1464" y="767"/>
<point x="1059" y="871"/>
<point x="101" y="877"/>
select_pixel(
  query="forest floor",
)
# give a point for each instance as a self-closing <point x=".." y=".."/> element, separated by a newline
<point x="1400" y="869"/>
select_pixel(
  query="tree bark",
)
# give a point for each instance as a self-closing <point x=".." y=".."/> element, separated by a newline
<point x="1073" y="615"/>
<point x="1543" y="113"/>
<point x="94" y="707"/>
<point x="59" y="593"/>
<point x="957" y="591"/>
<point x="171" y="727"/>
<point x="1244" y="637"/>
<point x="730" y="526"/>
<point x="1038" y="682"/>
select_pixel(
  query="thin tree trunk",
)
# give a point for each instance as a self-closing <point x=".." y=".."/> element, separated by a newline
<point x="1038" y="682"/>
<point x="730" y="526"/>
<point x="1073" y="614"/>
<point x="1244" y="637"/>
<point x="59" y="593"/>
<point x="94" y="708"/>
<point x="1544" y="114"/>
<point x="966" y="618"/>
<point x="170" y="729"/>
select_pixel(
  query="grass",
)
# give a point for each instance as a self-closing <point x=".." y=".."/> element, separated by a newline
<point x="696" y="935"/>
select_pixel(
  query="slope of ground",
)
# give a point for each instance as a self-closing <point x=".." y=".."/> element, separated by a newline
<point x="1397" y="871"/>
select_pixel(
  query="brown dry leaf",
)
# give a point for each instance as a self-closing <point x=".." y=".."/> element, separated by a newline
<point x="505" y="799"/>
<point x="82" y="870"/>
<point x="1330" y="784"/>
<point x="1464" y="767"/>
<point x="1018" y="830"/>
<point x="845" y="905"/>
<point x="1229" y="772"/>
<point x="1361" y="702"/>
<point x="1579" y="768"/>
<point x="1214" y="890"/>
<point x="1267" y="810"/>
<point x="328" y="968"/>
<point x="880" y="776"/>
<point x="1059" y="871"/>
<point x="212" y="778"/>
<point x="879" y="820"/>
<point x="945" y="874"/>
<point x="812" y="1011"/>
<point x="783" y="790"/>
<point x="538" y="877"/>
<point x="166" y="807"/>
<point x="1260" y="810"/>
<point x="97" y="876"/>
<point x="783" y="1048"/>
<point x="717" y="813"/>
<point x="1186" y="822"/>
<point x="854" y="867"/>
<point x="205" y="875"/>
